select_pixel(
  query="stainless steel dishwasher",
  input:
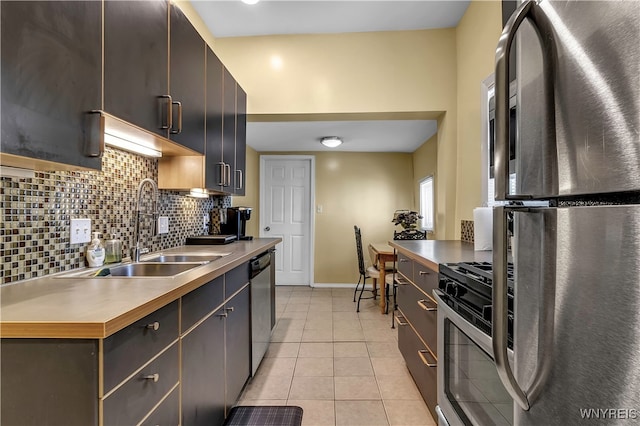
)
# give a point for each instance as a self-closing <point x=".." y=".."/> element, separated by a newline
<point x="261" y="295"/>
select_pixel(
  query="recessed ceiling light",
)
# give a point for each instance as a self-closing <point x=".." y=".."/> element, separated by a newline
<point x="331" y="141"/>
<point x="250" y="1"/>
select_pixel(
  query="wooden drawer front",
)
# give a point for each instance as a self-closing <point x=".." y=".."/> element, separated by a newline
<point x="425" y="376"/>
<point x="405" y="266"/>
<point x="425" y="278"/>
<point x="131" y="347"/>
<point x="421" y="312"/>
<point x="137" y="397"/>
<point x="167" y="413"/>
<point x="235" y="279"/>
<point x="198" y="303"/>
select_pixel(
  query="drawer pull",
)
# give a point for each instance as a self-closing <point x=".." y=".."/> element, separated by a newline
<point x="422" y="304"/>
<point x="229" y="309"/>
<point x="155" y="326"/>
<point x="424" y="273"/>
<point x="422" y="353"/>
<point x="401" y="281"/>
<point x="224" y="315"/>
<point x="404" y="260"/>
<point x="155" y="377"/>
<point x="401" y="320"/>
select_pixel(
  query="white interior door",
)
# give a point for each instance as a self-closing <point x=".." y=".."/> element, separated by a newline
<point x="286" y="198"/>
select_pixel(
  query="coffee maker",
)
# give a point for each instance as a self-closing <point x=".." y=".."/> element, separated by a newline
<point x="236" y="222"/>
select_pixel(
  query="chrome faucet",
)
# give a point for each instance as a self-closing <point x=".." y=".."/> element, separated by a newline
<point x="136" y="250"/>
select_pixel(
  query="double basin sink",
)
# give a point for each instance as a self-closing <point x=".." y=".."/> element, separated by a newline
<point x="157" y="265"/>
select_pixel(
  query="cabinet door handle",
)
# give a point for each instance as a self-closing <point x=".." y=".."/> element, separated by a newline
<point x="239" y="183"/>
<point x="223" y="315"/>
<point x="401" y="320"/>
<point x="166" y="111"/>
<point x="179" y="129"/>
<point x="227" y="167"/>
<point x="403" y="260"/>
<point x="155" y="377"/>
<point x="222" y="173"/>
<point x="94" y="142"/>
<point x="422" y="353"/>
<point x="422" y="304"/>
<point x="229" y="309"/>
<point x="424" y="273"/>
<point x="155" y="326"/>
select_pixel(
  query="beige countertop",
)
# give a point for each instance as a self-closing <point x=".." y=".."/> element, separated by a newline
<point x="56" y="306"/>
<point x="433" y="252"/>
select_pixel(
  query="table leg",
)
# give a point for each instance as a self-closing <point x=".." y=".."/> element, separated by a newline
<point x="383" y="284"/>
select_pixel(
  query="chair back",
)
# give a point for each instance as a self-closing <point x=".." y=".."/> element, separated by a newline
<point x="410" y="234"/>
<point x="361" y="267"/>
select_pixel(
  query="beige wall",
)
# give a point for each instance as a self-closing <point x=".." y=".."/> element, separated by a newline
<point x="431" y="71"/>
<point x="251" y="197"/>
<point x="477" y="36"/>
<point x="355" y="188"/>
<point x="425" y="163"/>
<point x="386" y="72"/>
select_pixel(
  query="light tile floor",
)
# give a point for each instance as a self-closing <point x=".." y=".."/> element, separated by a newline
<point x="341" y="367"/>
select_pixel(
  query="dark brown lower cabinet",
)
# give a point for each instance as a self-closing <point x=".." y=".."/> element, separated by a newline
<point x="418" y="326"/>
<point x="238" y="345"/>
<point x="421" y="364"/>
<point x="142" y="373"/>
<point x="203" y="372"/>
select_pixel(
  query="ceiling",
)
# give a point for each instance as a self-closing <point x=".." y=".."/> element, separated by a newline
<point x="273" y="17"/>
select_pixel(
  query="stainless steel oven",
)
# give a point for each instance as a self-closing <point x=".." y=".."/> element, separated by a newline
<point x="469" y="389"/>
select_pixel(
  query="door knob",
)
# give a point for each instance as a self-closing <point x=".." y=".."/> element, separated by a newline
<point x="267" y="229"/>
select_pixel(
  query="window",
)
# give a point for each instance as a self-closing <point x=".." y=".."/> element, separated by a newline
<point x="427" y="203"/>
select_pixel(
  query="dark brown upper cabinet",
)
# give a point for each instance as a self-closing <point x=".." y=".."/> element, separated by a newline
<point x="136" y="58"/>
<point x="51" y="79"/>
<point x="241" y="140"/>
<point x="187" y="82"/>
<point x="216" y="171"/>
<point x="229" y="129"/>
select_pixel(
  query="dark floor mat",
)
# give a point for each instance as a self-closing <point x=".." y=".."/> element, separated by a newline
<point x="264" y="416"/>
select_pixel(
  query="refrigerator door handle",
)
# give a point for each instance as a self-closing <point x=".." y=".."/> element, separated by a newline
<point x="499" y="303"/>
<point x="502" y="101"/>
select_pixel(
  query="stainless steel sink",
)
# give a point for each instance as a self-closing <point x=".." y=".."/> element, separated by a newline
<point x="136" y="270"/>
<point x="202" y="258"/>
<point x="148" y="269"/>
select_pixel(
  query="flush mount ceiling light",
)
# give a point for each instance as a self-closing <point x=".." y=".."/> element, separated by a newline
<point x="250" y="1"/>
<point x="331" y="141"/>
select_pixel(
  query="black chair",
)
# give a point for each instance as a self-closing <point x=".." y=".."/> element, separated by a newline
<point x="370" y="272"/>
<point x="406" y="234"/>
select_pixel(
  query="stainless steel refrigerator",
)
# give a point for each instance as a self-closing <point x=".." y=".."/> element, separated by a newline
<point x="577" y="261"/>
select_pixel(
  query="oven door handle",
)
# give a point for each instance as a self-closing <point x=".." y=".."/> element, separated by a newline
<point x="499" y="323"/>
<point x="479" y="338"/>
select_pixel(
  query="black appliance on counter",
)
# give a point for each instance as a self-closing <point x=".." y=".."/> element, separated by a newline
<point x="468" y="290"/>
<point x="207" y="240"/>
<point x="235" y="222"/>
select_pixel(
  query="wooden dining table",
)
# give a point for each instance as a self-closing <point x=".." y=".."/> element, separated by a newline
<point x="384" y="253"/>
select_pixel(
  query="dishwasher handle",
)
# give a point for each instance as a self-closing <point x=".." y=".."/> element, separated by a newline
<point x="260" y="263"/>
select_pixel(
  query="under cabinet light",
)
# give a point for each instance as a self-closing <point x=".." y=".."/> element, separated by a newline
<point x="199" y="193"/>
<point x="129" y="145"/>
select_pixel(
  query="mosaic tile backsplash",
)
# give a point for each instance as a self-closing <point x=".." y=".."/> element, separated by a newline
<point x="36" y="214"/>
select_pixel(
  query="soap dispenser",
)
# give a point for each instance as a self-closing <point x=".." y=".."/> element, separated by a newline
<point x="113" y="249"/>
<point x="95" y="251"/>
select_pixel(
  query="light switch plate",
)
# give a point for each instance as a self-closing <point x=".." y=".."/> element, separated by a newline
<point x="163" y="225"/>
<point x="80" y="231"/>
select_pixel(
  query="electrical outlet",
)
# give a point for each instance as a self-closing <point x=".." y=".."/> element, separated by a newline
<point x="163" y="225"/>
<point x="80" y="231"/>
